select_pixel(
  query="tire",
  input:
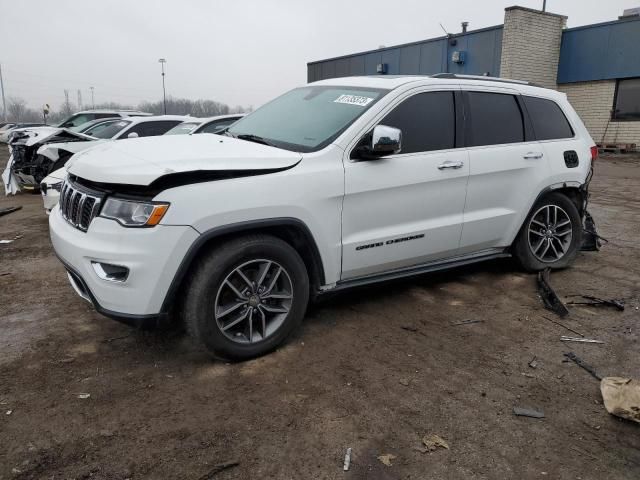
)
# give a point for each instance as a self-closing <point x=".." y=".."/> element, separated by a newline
<point x="552" y="242"/>
<point x="226" y="285"/>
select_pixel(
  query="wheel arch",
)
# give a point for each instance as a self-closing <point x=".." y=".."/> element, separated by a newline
<point x="291" y="230"/>
<point x="574" y="191"/>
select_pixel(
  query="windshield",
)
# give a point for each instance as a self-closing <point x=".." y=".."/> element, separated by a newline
<point x="183" y="128"/>
<point x="76" y="120"/>
<point x="309" y="118"/>
<point x="107" y="129"/>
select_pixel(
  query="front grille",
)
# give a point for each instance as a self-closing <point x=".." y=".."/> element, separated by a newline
<point x="79" y="205"/>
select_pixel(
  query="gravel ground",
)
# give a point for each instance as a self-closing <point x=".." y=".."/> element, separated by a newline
<point x="374" y="369"/>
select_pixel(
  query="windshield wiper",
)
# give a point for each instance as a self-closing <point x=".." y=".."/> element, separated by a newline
<point x="253" y="138"/>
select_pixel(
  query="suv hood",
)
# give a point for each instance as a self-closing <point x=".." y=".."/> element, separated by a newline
<point x="31" y="136"/>
<point x="141" y="161"/>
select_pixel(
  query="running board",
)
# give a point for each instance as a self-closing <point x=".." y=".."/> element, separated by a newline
<point x="417" y="270"/>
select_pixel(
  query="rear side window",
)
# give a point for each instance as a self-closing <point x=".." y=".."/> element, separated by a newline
<point x="549" y="122"/>
<point x="215" y="127"/>
<point x="427" y="121"/>
<point x="495" y="119"/>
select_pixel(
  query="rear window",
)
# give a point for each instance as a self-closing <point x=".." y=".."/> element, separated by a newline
<point x="495" y="119"/>
<point x="549" y="122"/>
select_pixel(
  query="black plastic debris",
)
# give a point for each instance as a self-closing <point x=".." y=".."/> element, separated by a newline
<point x="600" y="302"/>
<point x="581" y="363"/>
<point x="591" y="241"/>
<point x="7" y="211"/>
<point x="549" y="298"/>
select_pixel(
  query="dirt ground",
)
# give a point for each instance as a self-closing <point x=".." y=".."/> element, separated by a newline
<point x="374" y="370"/>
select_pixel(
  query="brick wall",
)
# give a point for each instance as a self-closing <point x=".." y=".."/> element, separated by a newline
<point x="531" y="45"/>
<point x="593" y="101"/>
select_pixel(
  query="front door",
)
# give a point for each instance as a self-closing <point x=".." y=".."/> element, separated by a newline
<point x="407" y="209"/>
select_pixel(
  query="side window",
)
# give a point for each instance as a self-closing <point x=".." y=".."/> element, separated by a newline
<point x="427" y="121"/>
<point x="152" y="129"/>
<point x="216" y="126"/>
<point x="495" y="119"/>
<point x="548" y="120"/>
<point x="105" y="115"/>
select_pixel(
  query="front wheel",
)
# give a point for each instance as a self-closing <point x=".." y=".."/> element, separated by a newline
<point x="246" y="297"/>
<point x="551" y="235"/>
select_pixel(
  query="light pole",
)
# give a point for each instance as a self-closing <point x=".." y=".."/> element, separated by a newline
<point x="164" y="93"/>
<point x="93" y="100"/>
<point x="4" y="105"/>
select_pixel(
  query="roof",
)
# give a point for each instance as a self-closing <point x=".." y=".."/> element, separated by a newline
<point x="114" y="110"/>
<point x="156" y="118"/>
<point x="390" y="82"/>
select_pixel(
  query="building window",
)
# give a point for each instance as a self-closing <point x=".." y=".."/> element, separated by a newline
<point x="627" y="100"/>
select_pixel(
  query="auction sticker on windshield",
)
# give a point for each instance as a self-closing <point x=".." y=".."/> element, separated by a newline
<point x="354" y="100"/>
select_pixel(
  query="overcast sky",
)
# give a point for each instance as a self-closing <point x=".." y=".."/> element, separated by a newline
<point x="240" y="52"/>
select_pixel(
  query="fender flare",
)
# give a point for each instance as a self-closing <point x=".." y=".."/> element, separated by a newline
<point x="316" y="274"/>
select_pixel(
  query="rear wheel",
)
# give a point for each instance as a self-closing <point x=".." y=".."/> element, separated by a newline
<point x="246" y="297"/>
<point x="551" y="235"/>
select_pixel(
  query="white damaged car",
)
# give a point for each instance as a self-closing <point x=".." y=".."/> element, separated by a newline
<point x="34" y="157"/>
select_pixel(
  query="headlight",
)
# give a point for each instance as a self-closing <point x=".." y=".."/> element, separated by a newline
<point x="132" y="213"/>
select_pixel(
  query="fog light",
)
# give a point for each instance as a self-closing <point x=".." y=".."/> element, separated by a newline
<point x="110" y="273"/>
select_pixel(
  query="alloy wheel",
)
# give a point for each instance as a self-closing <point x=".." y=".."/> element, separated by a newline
<point x="549" y="234"/>
<point x="253" y="301"/>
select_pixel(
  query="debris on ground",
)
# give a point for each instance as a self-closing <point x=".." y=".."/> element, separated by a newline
<point x="386" y="459"/>
<point x="84" y="396"/>
<point x="409" y="328"/>
<point x="564" y="338"/>
<point x="7" y="211"/>
<point x="618" y="304"/>
<point x="347" y="460"/>
<point x="432" y="442"/>
<point x="573" y="357"/>
<point x="621" y="397"/>
<point x="17" y="237"/>
<point x="404" y="381"/>
<point x="549" y="297"/>
<point x="527" y="412"/>
<point x="220" y="467"/>
<point x="9" y="412"/>
<point x="534" y="362"/>
<point x="562" y="325"/>
<point x="467" y="322"/>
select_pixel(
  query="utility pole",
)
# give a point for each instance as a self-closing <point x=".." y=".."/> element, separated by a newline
<point x="93" y="100"/>
<point x="544" y="5"/>
<point x="162" y="61"/>
<point x="79" y="100"/>
<point x="4" y="104"/>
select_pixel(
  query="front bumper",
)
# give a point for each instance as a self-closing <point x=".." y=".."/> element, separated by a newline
<point x="50" y="197"/>
<point x="152" y="256"/>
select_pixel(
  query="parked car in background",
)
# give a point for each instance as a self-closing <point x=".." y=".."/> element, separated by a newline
<point x="34" y="159"/>
<point x="52" y="157"/>
<point x="337" y="184"/>
<point x="10" y="128"/>
<point x="205" y="125"/>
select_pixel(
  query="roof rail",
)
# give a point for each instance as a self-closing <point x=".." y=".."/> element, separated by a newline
<point x="482" y="77"/>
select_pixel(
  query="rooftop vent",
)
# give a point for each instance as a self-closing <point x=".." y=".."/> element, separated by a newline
<point x="464" y="27"/>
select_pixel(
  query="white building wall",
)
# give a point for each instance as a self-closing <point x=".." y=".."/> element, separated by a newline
<point x="531" y="45"/>
<point x="594" y="101"/>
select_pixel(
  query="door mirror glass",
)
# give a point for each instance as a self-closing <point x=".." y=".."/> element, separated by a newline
<point x="133" y="135"/>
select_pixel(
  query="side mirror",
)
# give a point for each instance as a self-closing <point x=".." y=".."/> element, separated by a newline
<point x="133" y="135"/>
<point x="380" y="142"/>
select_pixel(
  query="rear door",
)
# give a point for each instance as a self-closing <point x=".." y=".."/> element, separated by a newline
<point x="556" y="136"/>
<point x="507" y="168"/>
<point x="406" y="209"/>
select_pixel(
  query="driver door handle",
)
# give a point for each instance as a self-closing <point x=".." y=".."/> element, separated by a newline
<point x="533" y="156"/>
<point x="450" y="164"/>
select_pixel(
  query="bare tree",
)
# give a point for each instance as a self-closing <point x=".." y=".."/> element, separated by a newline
<point x="16" y="109"/>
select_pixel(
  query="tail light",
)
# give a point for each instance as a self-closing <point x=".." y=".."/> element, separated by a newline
<point x="594" y="153"/>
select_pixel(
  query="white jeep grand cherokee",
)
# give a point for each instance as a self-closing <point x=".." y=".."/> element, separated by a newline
<point x="336" y="184"/>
